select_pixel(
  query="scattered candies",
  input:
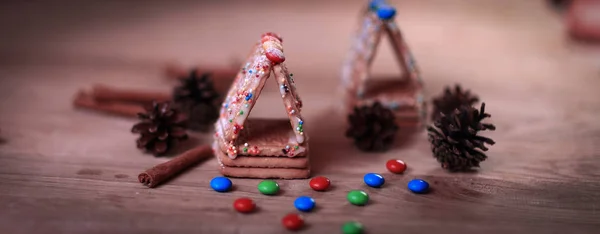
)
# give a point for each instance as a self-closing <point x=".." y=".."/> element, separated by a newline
<point x="319" y="183"/>
<point x="357" y="197"/>
<point x="374" y="180"/>
<point x="293" y="221"/>
<point x="352" y="228"/>
<point x="244" y="205"/>
<point x="418" y="186"/>
<point x="220" y="184"/>
<point x="395" y="166"/>
<point x="304" y="203"/>
<point x="268" y="187"/>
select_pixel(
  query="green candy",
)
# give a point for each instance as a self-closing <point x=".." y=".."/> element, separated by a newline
<point x="352" y="228"/>
<point x="268" y="187"/>
<point x="357" y="197"/>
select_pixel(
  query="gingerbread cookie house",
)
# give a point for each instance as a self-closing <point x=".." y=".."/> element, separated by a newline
<point x="262" y="148"/>
<point x="404" y="95"/>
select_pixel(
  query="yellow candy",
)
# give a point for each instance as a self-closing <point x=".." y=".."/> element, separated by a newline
<point x="272" y="44"/>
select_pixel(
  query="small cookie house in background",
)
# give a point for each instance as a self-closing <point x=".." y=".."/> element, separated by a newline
<point x="262" y="148"/>
<point x="404" y="96"/>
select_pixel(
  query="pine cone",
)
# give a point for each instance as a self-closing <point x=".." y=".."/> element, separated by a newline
<point x="372" y="127"/>
<point x="454" y="140"/>
<point x="197" y="99"/>
<point x="159" y="129"/>
<point x="450" y="101"/>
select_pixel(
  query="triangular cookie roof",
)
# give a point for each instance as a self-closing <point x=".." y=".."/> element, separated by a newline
<point x="265" y="58"/>
<point x="377" y="19"/>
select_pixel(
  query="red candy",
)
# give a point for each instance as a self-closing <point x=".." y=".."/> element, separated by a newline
<point x="275" y="56"/>
<point x="319" y="183"/>
<point x="292" y="222"/>
<point x="396" y="166"/>
<point x="244" y="205"/>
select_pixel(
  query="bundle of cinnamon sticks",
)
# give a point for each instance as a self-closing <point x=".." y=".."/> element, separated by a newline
<point x="129" y="102"/>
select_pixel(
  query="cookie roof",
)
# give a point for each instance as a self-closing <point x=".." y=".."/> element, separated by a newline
<point x="265" y="58"/>
<point x="376" y="22"/>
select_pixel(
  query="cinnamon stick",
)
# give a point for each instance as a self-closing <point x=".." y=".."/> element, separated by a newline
<point x="106" y="93"/>
<point x="164" y="171"/>
<point x="86" y="101"/>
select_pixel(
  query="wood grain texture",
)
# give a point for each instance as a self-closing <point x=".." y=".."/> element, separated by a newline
<point x="70" y="171"/>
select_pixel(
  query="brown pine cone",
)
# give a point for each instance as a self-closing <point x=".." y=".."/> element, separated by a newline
<point x="160" y="128"/>
<point x="372" y="127"/>
<point x="197" y="99"/>
<point x="454" y="140"/>
<point x="450" y="101"/>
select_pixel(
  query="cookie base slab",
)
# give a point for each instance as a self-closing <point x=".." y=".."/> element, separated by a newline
<point x="265" y="173"/>
<point x="270" y="136"/>
<point x="263" y="162"/>
<point x="401" y="96"/>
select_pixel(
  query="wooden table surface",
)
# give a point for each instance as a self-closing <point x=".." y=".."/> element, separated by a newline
<point x="70" y="171"/>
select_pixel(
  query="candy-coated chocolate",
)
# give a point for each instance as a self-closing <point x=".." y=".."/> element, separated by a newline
<point x="395" y="166"/>
<point x="275" y="56"/>
<point x="268" y="187"/>
<point x="386" y="12"/>
<point x="357" y="197"/>
<point x="374" y="180"/>
<point x="220" y="184"/>
<point x="418" y="186"/>
<point x="304" y="203"/>
<point x="244" y="205"/>
<point x="320" y="183"/>
<point x="352" y="227"/>
<point x="292" y="221"/>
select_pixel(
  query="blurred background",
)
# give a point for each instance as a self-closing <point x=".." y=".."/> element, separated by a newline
<point x="54" y="48"/>
<point x="535" y="63"/>
<point x="146" y="34"/>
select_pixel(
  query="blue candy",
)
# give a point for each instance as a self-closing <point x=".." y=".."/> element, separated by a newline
<point x="386" y="12"/>
<point x="374" y="180"/>
<point x="220" y="184"/>
<point x="374" y="4"/>
<point x="418" y="186"/>
<point x="304" y="203"/>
